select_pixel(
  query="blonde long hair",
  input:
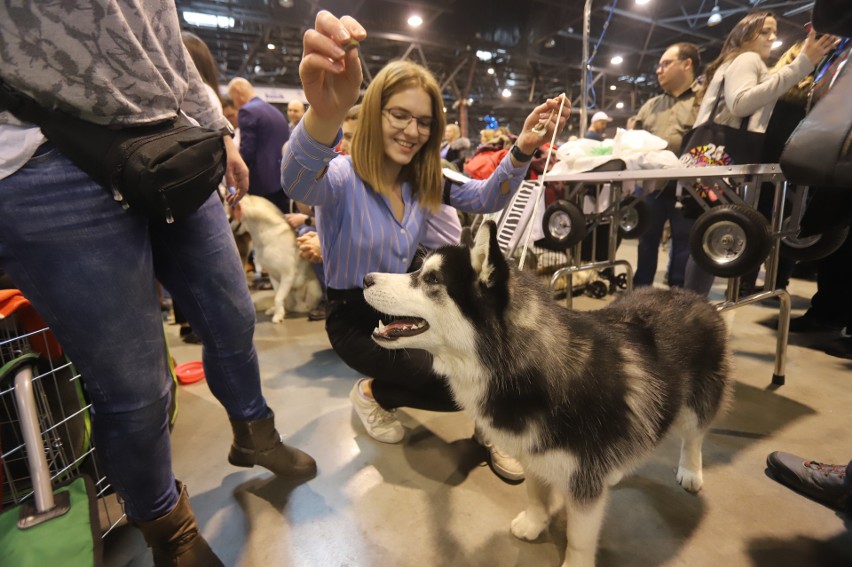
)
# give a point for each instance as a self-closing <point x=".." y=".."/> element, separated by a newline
<point x="368" y="154"/>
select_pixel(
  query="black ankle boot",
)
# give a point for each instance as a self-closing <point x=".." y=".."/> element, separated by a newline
<point x="258" y="443"/>
<point x="175" y="539"/>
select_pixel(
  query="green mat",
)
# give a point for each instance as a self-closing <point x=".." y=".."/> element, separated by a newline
<point x="70" y="540"/>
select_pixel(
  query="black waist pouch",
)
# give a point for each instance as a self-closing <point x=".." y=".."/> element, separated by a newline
<point x="165" y="170"/>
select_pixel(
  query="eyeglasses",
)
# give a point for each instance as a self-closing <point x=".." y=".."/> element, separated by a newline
<point x="400" y="119"/>
<point x="666" y="63"/>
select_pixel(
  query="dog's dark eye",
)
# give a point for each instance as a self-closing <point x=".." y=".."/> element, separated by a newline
<point x="430" y="278"/>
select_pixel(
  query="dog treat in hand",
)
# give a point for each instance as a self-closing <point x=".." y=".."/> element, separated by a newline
<point x="350" y="45"/>
<point x="540" y="129"/>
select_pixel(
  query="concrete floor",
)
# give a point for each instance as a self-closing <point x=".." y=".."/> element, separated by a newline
<point x="431" y="502"/>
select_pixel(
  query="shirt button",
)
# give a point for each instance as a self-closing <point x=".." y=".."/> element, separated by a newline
<point x="326" y="160"/>
<point x="402" y="231"/>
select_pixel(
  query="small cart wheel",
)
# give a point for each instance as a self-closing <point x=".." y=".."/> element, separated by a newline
<point x="633" y="217"/>
<point x="564" y="224"/>
<point x="730" y="240"/>
<point x="597" y="289"/>
<point x="621" y="281"/>
<point x="808" y="248"/>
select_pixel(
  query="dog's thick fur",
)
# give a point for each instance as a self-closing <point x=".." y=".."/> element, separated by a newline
<point x="293" y="279"/>
<point x="580" y="398"/>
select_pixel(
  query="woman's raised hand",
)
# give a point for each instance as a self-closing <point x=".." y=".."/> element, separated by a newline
<point x="331" y="69"/>
<point x="540" y="124"/>
<point x="816" y="47"/>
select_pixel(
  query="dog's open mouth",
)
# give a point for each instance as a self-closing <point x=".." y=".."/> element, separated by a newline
<point x="400" y="327"/>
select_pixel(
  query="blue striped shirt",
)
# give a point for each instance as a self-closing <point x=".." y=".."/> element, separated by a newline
<point x="359" y="232"/>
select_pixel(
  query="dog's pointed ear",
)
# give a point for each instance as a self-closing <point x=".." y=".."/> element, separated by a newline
<point x="486" y="257"/>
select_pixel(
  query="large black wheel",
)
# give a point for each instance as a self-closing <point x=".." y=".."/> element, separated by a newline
<point x="564" y="224"/>
<point x="808" y="248"/>
<point x="633" y="218"/>
<point x="730" y="240"/>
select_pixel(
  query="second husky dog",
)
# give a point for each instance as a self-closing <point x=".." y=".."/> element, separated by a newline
<point x="293" y="279"/>
<point x="580" y="398"/>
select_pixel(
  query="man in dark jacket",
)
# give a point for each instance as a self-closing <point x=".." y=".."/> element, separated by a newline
<point x="263" y="130"/>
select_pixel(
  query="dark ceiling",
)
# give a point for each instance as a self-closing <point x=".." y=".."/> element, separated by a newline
<point x="536" y="44"/>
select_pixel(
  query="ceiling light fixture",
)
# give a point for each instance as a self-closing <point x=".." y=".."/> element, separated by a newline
<point x="415" y="21"/>
<point x="506" y="93"/>
<point x="619" y="105"/>
<point x="491" y="70"/>
<point x="270" y="46"/>
<point x="207" y="20"/>
<point x="715" y="15"/>
<point x="612" y="87"/>
<point x="642" y="2"/>
<point x="617" y="60"/>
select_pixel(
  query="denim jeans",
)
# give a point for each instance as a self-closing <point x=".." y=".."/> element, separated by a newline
<point x="698" y="279"/>
<point x="88" y="267"/>
<point x="662" y="207"/>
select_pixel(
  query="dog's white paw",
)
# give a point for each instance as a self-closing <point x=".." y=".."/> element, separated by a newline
<point x="278" y="318"/>
<point x="270" y="311"/>
<point x="527" y="528"/>
<point x="689" y="480"/>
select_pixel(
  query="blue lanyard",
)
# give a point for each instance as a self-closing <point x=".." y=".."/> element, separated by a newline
<point x="829" y="61"/>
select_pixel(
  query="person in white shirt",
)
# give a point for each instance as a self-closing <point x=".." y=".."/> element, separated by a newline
<point x="597" y="126"/>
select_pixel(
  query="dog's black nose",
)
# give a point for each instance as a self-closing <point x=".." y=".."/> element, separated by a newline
<point x="369" y="280"/>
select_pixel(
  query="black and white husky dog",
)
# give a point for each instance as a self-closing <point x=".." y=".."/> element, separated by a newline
<point x="579" y="398"/>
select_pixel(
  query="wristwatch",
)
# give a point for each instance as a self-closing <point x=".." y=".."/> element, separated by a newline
<point x="308" y="221"/>
<point x="519" y="155"/>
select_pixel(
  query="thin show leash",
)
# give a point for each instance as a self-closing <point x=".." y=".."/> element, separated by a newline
<point x="540" y="187"/>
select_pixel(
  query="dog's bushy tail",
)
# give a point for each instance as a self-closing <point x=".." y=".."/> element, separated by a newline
<point x="728" y="317"/>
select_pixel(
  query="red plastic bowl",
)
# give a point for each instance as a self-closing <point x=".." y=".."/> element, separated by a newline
<point x="189" y="372"/>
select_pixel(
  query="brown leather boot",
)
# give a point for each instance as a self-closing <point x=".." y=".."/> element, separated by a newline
<point x="258" y="443"/>
<point x="175" y="539"/>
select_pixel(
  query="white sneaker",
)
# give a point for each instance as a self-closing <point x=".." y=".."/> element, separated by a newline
<point x="503" y="465"/>
<point x="381" y="424"/>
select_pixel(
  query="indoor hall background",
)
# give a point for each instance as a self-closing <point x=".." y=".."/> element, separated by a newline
<point x="479" y="48"/>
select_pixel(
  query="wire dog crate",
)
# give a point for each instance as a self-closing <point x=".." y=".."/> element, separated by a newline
<point x="46" y="391"/>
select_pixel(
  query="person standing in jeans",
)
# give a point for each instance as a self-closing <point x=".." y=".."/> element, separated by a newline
<point x="87" y="265"/>
<point x="669" y="115"/>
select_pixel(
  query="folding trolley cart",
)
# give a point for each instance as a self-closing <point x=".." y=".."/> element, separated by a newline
<point x="726" y="240"/>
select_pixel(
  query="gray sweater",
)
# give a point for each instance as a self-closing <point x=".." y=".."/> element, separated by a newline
<point x="751" y="90"/>
<point x="117" y="62"/>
